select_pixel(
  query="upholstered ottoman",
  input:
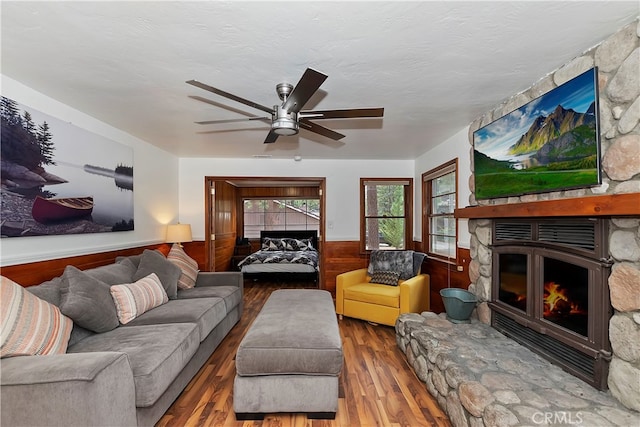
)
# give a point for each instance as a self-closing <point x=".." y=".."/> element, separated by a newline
<point x="291" y="357"/>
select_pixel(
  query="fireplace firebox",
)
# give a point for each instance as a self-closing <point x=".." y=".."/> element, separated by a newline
<point x="550" y="291"/>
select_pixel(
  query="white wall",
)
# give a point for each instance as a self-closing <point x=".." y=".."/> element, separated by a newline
<point x="456" y="146"/>
<point x="155" y="190"/>
<point x="342" y="186"/>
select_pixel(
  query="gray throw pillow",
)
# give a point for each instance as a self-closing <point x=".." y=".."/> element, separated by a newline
<point x="167" y="272"/>
<point x="114" y="274"/>
<point x="87" y="301"/>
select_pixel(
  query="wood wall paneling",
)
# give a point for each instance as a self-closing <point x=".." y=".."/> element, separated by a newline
<point x="224" y="225"/>
<point x="34" y="273"/>
<point x="340" y="257"/>
<point x="275" y="192"/>
<point x="445" y="275"/>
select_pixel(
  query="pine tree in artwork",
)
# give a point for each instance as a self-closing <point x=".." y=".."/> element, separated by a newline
<point x="46" y="146"/>
<point x="9" y="111"/>
<point x="27" y="123"/>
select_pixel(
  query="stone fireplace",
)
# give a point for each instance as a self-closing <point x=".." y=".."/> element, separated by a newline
<point x="549" y="291"/>
<point x="615" y="204"/>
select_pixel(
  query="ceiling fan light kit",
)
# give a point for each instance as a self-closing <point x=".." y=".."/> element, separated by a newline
<point x="284" y="123"/>
<point x="286" y="119"/>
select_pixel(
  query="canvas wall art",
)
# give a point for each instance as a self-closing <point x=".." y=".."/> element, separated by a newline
<point x="550" y="144"/>
<point x="58" y="178"/>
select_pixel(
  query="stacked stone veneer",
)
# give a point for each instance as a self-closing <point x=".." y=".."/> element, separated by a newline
<point x="618" y="62"/>
<point x="482" y="378"/>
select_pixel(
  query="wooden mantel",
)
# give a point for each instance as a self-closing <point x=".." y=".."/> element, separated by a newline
<point x="603" y="205"/>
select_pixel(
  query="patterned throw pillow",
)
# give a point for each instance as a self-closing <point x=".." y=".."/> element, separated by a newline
<point x="30" y="326"/>
<point x="188" y="265"/>
<point x="297" y="244"/>
<point x="385" y="277"/>
<point x="133" y="299"/>
<point x="272" y="244"/>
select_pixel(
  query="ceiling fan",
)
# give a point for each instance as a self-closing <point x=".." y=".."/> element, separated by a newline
<point x="287" y="118"/>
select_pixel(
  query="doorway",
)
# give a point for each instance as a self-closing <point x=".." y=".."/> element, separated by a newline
<point x="224" y="219"/>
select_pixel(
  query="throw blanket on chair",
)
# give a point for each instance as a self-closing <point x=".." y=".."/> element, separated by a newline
<point x="407" y="263"/>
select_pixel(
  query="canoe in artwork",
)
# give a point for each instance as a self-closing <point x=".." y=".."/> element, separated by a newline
<point x="58" y="209"/>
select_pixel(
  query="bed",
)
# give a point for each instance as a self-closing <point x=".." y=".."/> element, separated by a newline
<point x="284" y="254"/>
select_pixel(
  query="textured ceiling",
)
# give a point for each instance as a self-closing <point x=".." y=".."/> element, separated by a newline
<point x="434" y="66"/>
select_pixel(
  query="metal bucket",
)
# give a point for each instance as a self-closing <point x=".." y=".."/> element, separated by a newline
<point x="458" y="303"/>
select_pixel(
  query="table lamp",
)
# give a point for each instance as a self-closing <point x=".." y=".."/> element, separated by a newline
<point x="179" y="233"/>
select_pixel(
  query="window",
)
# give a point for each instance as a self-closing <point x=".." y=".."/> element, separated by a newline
<point x="280" y="214"/>
<point x="386" y="206"/>
<point x="439" y="228"/>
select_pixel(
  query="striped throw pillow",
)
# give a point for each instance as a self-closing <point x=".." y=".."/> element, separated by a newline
<point x="133" y="299"/>
<point x="30" y="326"/>
<point x="188" y="265"/>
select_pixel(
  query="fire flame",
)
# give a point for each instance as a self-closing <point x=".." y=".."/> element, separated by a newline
<point x="557" y="302"/>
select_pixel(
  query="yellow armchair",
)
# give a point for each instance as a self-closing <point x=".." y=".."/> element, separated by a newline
<point x="357" y="297"/>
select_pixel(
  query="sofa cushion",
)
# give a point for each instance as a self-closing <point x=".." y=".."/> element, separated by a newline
<point x="207" y="313"/>
<point x="157" y="354"/>
<point x="167" y="272"/>
<point x="133" y="259"/>
<point x="113" y="274"/>
<point x="48" y="291"/>
<point x="87" y="301"/>
<point x="385" y="277"/>
<point x="187" y="265"/>
<point x="374" y="294"/>
<point x="30" y="325"/>
<point x="134" y="299"/>
<point x="232" y="295"/>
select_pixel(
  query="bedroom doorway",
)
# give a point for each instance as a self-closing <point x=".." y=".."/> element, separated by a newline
<point x="225" y="198"/>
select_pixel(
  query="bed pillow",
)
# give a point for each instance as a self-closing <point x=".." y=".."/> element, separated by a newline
<point x="273" y="244"/>
<point x="385" y="277"/>
<point x="187" y="265"/>
<point x="153" y="261"/>
<point x="87" y="301"/>
<point x="133" y="299"/>
<point x="30" y="326"/>
<point x="298" y="244"/>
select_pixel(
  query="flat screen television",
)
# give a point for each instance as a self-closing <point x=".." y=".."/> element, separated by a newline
<point x="552" y="143"/>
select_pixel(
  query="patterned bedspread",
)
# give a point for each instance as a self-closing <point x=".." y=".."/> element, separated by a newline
<point x="282" y="257"/>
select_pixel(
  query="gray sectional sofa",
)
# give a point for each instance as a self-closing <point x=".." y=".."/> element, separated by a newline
<point x="129" y="375"/>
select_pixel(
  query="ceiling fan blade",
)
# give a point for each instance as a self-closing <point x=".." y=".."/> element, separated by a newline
<point x="271" y="137"/>
<point x="343" y="114"/>
<point x="314" y="127"/>
<point x="229" y="95"/>
<point x="308" y="85"/>
<point x="215" y="122"/>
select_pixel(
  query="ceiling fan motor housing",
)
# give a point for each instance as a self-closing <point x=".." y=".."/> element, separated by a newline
<point x="284" y="123"/>
<point x="283" y="90"/>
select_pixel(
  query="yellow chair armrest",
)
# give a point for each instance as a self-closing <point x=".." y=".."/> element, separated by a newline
<point x="351" y="278"/>
<point x="414" y="294"/>
<point x="345" y="280"/>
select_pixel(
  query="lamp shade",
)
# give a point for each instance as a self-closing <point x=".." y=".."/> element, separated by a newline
<point x="178" y="233"/>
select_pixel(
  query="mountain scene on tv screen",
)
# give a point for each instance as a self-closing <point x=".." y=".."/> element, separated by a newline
<point x="547" y="145"/>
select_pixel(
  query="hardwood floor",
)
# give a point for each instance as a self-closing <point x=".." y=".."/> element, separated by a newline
<point x="377" y="386"/>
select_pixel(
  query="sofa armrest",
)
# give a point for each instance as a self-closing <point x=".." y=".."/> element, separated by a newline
<point x="78" y="389"/>
<point x="343" y="281"/>
<point x="414" y="294"/>
<point x="220" y="278"/>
